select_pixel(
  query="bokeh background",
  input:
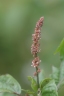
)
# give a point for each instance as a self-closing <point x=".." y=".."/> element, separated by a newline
<point x="17" y="23"/>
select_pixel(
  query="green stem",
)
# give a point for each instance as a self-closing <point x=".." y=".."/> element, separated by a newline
<point x="17" y="94"/>
<point x="37" y="77"/>
<point x="59" y="84"/>
<point x="37" y="73"/>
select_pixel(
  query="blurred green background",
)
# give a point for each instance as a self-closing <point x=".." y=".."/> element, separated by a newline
<point x="17" y="23"/>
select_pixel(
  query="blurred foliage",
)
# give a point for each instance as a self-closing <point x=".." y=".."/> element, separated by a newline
<point x="9" y="84"/>
<point x="17" y="23"/>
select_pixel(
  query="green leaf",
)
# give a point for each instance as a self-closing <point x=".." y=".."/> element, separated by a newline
<point x="33" y="83"/>
<point x="28" y="91"/>
<point x="44" y="82"/>
<point x="9" y="84"/>
<point x="50" y="89"/>
<point x="62" y="70"/>
<point x="7" y="94"/>
<point x="41" y="76"/>
<point x="61" y="49"/>
<point x="61" y="82"/>
<point x="55" y="74"/>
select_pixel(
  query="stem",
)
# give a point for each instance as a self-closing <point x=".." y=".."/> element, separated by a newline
<point x="58" y="86"/>
<point x="17" y="94"/>
<point x="37" y="77"/>
<point x="37" y="73"/>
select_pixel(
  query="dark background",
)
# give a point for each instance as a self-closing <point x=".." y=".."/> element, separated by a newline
<point x="17" y="23"/>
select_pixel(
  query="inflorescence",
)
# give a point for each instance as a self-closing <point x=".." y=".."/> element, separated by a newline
<point x="36" y="44"/>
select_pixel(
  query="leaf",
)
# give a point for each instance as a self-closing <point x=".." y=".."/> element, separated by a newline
<point x="33" y="83"/>
<point x="44" y="82"/>
<point x="41" y="76"/>
<point x="61" y="49"/>
<point x="7" y="94"/>
<point x="50" y="89"/>
<point x="9" y="84"/>
<point x="55" y="74"/>
<point x="62" y="70"/>
<point x="61" y="82"/>
<point x="28" y="91"/>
